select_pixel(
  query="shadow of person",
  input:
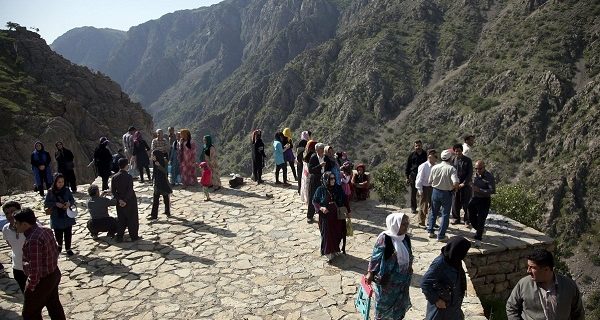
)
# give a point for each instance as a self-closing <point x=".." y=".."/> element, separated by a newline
<point x="227" y="203"/>
<point x="166" y="251"/>
<point x="99" y="266"/>
<point x="351" y="263"/>
<point x="9" y="314"/>
<point x="198" y="226"/>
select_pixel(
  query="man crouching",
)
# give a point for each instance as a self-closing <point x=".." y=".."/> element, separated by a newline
<point x="100" y="220"/>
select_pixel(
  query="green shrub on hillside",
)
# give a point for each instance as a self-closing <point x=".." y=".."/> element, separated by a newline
<point x="389" y="184"/>
<point x="518" y="203"/>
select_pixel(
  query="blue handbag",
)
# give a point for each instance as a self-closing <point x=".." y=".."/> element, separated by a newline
<point x="363" y="298"/>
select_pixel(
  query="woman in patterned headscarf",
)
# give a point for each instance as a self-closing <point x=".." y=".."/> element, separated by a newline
<point x="329" y="198"/>
<point x="391" y="268"/>
<point x="210" y="156"/>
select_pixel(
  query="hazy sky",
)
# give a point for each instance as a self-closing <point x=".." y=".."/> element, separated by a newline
<point x="55" y="17"/>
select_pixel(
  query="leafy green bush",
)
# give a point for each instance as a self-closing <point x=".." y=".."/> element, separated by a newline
<point x="389" y="184"/>
<point x="518" y="203"/>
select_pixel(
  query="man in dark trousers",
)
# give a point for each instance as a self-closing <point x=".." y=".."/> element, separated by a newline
<point x="40" y="263"/>
<point x="462" y="196"/>
<point x="127" y="209"/>
<point x="413" y="162"/>
<point x="484" y="185"/>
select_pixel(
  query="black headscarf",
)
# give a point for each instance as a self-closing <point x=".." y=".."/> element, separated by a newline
<point x="454" y="253"/>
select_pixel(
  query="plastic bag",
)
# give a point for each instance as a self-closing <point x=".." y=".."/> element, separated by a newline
<point x="349" y="230"/>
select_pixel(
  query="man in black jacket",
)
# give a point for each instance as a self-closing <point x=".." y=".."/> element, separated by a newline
<point x="127" y="209"/>
<point x="464" y="168"/>
<point x="413" y="162"/>
<point x="66" y="165"/>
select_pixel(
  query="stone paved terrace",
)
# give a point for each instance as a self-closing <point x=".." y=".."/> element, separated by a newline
<point x="241" y="256"/>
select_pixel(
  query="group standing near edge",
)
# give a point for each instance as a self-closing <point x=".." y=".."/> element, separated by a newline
<point x="446" y="187"/>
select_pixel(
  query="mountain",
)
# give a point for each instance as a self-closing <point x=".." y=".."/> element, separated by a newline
<point x="47" y="98"/>
<point x="371" y="76"/>
<point x="88" y="46"/>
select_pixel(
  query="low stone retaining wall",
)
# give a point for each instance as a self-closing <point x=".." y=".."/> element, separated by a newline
<point x="501" y="260"/>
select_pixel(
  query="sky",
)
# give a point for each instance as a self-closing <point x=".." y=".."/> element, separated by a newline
<point x="55" y="17"/>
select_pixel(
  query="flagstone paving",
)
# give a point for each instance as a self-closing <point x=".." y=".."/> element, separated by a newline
<point x="244" y="255"/>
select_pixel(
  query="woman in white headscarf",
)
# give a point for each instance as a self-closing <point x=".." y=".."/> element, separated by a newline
<point x="390" y="269"/>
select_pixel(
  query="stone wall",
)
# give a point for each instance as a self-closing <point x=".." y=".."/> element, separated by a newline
<point x="500" y="262"/>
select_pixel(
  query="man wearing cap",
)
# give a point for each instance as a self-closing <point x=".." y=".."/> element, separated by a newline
<point x="127" y="210"/>
<point x="128" y="148"/>
<point x="443" y="180"/>
<point x="40" y="263"/>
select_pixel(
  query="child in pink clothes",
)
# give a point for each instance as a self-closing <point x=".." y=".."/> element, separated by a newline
<point x="205" y="181"/>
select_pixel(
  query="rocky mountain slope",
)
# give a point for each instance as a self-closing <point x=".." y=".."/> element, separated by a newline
<point x="46" y="97"/>
<point x="370" y="76"/>
<point x="89" y="46"/>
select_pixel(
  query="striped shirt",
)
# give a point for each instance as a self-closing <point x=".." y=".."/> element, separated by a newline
<point x="40" y="255"/>
<point x="161" y="145"/>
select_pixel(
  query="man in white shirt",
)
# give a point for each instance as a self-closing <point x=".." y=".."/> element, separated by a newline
<point x="468" y="145"/>
<point x="424" y="189"/>
<point x="15" y="241"/>
<point x="444" y="180"/>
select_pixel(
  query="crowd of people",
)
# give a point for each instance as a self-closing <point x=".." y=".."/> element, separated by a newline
<point x="327" y="182"/>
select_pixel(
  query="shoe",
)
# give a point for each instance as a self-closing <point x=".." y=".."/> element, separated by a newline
<point x="277" y="182"/>
<point x="135" y="238"/>
<point x="94" y="235"/>
<point x="329" y="257"/>
<point x="167" y="214"/>
<point x="476" y="237"/>
<point x="444" y="239"/>
<point x="207" y="199"/>
<point x="431" y="235"/>
<point x="70" y="253"/>
<point x="110" y="235"/>
<point x="310" y="220"/>
<point x="468" y="224"/>
<point x="285" y="183"/>
<point x="455" y="222"/>
<point x="413" y="211"/>
<point x="151" y="217"/>
<point x="422" y="224"/>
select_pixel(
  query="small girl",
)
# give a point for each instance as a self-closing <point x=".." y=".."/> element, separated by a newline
<point x="206" y="180"/>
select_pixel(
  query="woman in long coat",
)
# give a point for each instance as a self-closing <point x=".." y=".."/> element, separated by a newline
<point x="174" y="161"/>
<point x="103" y="162"/>
<point x="445" y="282"/>
<point x="391" y="268"/>
<point x="58" y="200"/>
<point x="328" y="200"/>
<point x="210" y="156"/>
<point x="140" y="152"/>
<point x="258" y="156"/>
<point x="40" y="166"/>
<point x="305" y="181"/>
<point x="65" y="164"/>
<point x="187" y="151"/>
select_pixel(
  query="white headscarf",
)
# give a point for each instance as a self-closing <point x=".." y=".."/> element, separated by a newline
<point x="393" y="222"/>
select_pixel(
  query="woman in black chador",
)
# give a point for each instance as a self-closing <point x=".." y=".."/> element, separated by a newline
<point x="103" y="162"/>
<point x="258" y="156"/>
<point x="66" y="165"/>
